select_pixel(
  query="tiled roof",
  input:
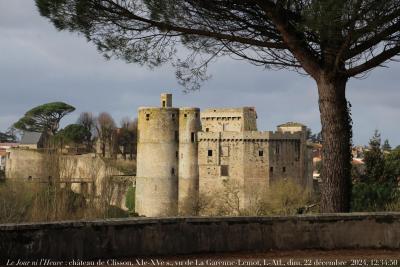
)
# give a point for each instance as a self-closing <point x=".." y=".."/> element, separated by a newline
<point x="291" y="123"/>
<point x="7" y="145"/>
<point x="29" y="138"/>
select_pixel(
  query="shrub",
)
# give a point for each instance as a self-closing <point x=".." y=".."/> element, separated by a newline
<point x="130" y="199"/>
<point x="15" y="201"/>
<point x="284" y="197"/>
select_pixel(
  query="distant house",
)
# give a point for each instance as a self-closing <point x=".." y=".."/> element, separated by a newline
<point x="32" y="140"/>
<point x="3" y="153"/>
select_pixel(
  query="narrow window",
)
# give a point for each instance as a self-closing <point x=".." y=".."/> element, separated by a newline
<point x="283" y="169"/>
<point x="224" y="170"/>
<point x="192" y="137"/>
<point x="176" y="136"/>
<point x="210" y="153"/>
<point x="271" y="170"/>
<point x="185" y="115"/>
<point x="261" y="153"/>
<point x="177" y="155"/>
<point x="207" y="129"/>
<point x="147" y="117"/>
<point x="163" y="103"/>
<point x="173" y="171"/>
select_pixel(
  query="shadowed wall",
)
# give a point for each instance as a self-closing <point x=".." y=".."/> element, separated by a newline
<point x="127" y="238"/>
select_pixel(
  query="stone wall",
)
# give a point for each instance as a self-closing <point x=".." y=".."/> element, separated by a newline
<point x="253" y="160"/>
<point x="188" y="169"/>
<point x="94" y="178"/>
<point x="127" y="238"/>
<point x="86" y="174"/>
<point x="229" y="119"/>
<point x="23" y="163"/>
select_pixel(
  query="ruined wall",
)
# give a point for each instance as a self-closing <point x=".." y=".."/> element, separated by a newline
<point x="127" y="238"/>
<point x="94" y="178"/>
<point x="157" y="162"/>
<point x="23" y="163"/>
<point x="85" y="174"/>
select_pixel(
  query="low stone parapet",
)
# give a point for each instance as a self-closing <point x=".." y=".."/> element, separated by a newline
<point x="127" y="238"/>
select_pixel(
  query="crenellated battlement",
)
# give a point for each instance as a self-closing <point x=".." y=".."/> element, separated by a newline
<point x="248" y="136"/>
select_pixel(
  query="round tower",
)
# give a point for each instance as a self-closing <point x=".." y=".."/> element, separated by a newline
<point x="157" y="161"/>
<point x="189" y="125"/>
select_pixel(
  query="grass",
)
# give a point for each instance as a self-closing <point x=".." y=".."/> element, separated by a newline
<point x="127" y="167"/>
<point x="23" y="201"/>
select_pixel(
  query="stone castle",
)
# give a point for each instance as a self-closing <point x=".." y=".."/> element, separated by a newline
<point x="182" y="152"/>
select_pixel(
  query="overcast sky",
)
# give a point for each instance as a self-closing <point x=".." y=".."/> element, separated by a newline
<point x="38" y="64"/>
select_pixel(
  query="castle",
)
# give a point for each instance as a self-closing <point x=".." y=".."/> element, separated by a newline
<point x="182" y="153"/>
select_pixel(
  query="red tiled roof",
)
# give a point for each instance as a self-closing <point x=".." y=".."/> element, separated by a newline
<point x="358" y="161"/>
<point x="8" y="144"/>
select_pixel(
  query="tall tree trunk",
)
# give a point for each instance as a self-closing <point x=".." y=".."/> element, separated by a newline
<point x="336" y="154"/>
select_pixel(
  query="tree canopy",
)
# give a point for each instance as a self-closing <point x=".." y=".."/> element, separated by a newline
<point x="345" y="36"/>
<point x="44" y="118"/>
<point x="330" y="40"/>
<point x="74" y="133"/>
<point x="7" y="137"/>
<point x="377" y="188"/>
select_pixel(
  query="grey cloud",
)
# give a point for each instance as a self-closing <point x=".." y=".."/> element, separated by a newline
<point x="38" y="64"/>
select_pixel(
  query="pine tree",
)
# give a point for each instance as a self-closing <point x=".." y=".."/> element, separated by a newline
<point x="386" y="146"/>
<point x="378" y="186"/>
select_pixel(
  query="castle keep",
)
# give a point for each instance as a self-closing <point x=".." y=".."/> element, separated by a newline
<point x="183" y="153"/>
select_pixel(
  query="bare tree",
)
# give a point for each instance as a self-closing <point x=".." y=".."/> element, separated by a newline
<point x="105" y="127"/>
<point x="329" y="40"/>
<point x="87" y="120"/>
<point x="127" y="137"/>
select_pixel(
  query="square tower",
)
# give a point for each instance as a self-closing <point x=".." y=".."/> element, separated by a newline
<point x="229" y="119"/>
<point x="166" y="100"/>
